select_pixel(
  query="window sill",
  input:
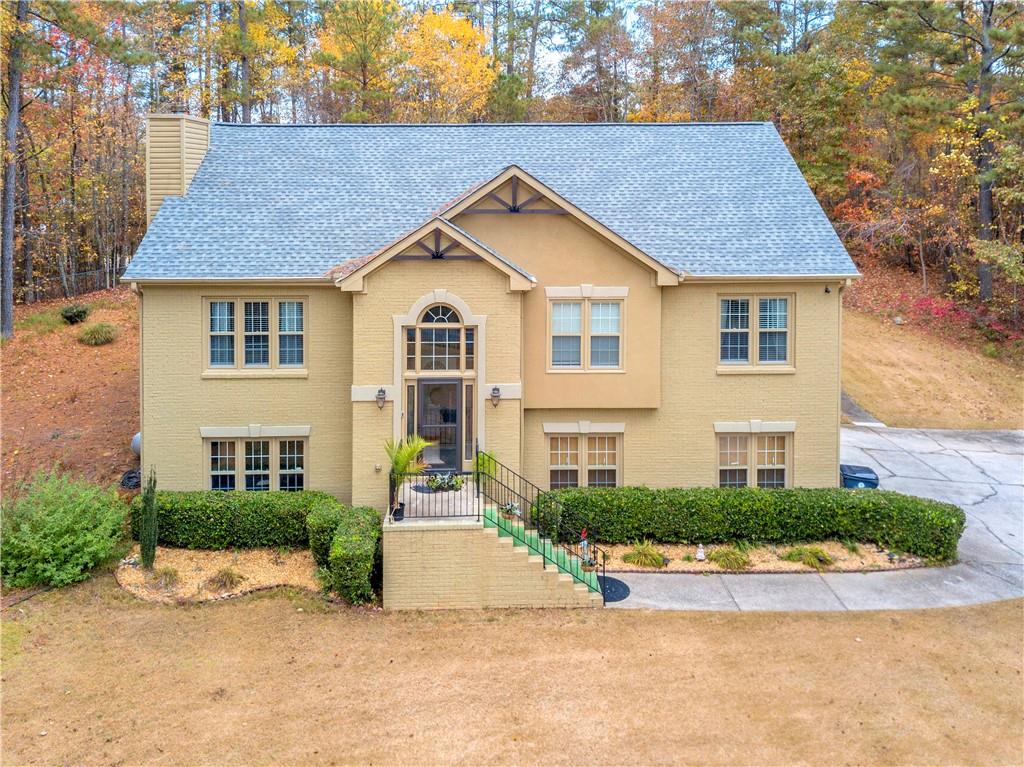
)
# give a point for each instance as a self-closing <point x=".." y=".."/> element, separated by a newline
<point x="577" y="371"/>
<point x="255" y="373"/>
<point x="755" y="370"/>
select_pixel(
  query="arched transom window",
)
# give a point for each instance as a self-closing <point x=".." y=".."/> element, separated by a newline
<point x="440" y="341"/>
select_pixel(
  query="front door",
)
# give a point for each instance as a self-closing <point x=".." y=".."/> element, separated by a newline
<point x="437" y="421"/>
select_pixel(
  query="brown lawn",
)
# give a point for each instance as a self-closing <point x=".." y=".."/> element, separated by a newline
<point x="907" y="377"/>
<point x="92" y="676"/>
<point x="70" y="405"/>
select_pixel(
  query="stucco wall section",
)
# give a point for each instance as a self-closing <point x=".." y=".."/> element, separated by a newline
<point x="561" y="252"/>
<point x="675" y="445"/>
<point x="429" y="566"/>
<point x="177" y="400"/>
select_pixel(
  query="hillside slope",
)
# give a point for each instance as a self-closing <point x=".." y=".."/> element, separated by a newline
<point x="908" y="377"/>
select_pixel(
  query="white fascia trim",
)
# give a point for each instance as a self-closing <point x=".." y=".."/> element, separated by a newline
<point x="230" y="280"/>
<point x="583" y="427"/>
<point x="754" y="426"/>
<point x="775" y="277"/>
<point x="369" y="393"/>
<point x="252" y="430"/>
<point x="586" y="291"/>
<point x="508" y="390"/>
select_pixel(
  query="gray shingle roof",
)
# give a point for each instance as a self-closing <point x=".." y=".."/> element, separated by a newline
<point x="295" y="201"/>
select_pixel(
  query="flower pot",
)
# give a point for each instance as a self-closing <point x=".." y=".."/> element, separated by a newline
<point x="398" y="513"/>
<point x="589" y="568"/>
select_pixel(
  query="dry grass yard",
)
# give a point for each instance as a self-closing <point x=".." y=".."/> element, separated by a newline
<point x="908" y="378"/>
<point x="93" y="676"/>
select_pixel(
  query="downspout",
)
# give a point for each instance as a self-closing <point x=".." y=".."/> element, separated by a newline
<point x="137" y="290"/>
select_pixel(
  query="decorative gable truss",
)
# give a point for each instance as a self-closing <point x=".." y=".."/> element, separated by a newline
<point x="514" y="191"/>
<point x="436" y="240"/>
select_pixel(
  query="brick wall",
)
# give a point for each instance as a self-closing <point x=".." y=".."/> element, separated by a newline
<point x="460" y="565"/>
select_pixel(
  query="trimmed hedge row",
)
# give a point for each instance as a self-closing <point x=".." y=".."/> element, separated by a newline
<point x="900" y="522"/>
<point x="321" y="524"/>
<point x="353" y="554"/>
<point x="213" y="519"/>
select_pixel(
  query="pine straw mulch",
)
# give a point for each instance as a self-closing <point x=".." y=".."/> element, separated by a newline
<point x="187" y="575"/>
<point x="765" y="558"/>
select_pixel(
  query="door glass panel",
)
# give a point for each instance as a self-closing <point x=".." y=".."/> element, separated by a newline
<point x="438" y="422"/>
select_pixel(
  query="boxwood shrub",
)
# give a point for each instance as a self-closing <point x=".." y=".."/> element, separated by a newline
<point x="353" y="554"/>
<point x="213" y="519"/>
<point x="321" y="524"/>
<point x="900" y="522"/>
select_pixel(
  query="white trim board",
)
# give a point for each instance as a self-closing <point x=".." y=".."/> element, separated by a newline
<point x="583" y="427"/>
<point x="754" y="426"/>
<point x="253" y="430"/>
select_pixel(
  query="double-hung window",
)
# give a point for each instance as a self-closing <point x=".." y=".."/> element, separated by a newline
<point x="768" y="454"/>
<point x="591" y="460"/>
<point x="763" y="339"/>
<point x="257" y="464"/>
<point x="598" y="347"/>
<point x="256" y="333"/>
<point x="605" y="329"/>
<point x="566" y="334"/>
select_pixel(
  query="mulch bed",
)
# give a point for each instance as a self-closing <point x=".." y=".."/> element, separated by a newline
<point x="182" y="576"/>
<point x="765" y="559"/>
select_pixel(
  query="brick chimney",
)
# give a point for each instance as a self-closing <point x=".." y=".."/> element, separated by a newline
<point x="175" y="145"/>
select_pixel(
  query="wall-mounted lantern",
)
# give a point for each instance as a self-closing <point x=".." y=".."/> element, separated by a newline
<point x="495" y="395"/>
<point x="382" y="397"/>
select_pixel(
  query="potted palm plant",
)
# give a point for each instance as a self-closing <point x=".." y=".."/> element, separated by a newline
<point x="405" y="456"/>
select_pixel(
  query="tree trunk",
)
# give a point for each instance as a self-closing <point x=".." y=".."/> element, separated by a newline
<point x="243" y="35"/>
<point x="510" y="39"/>
<point x="25" y="224"/>
<point x="985" y="148"/>
<point x="531" y="64"/>
<point x="11" y="124"/>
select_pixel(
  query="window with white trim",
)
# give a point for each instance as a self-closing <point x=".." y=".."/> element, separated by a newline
<point x="257" y="464"/>
<point x="591" y="460"/>
<point x="566" y="334"/>
<point x="439" y="342"/>
<point x="605" y="332"/>
<point x="733" y="455"/>
<point x="737" y="332"/>
<point x="768" y="454"/>
<point x="600" y="347"/>
<point x="256" y="333"/>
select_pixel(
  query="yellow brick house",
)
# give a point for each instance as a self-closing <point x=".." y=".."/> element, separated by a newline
<point x="592" y="304"/>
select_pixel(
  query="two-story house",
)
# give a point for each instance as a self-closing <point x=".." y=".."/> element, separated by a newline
<point x="594" y="304"/>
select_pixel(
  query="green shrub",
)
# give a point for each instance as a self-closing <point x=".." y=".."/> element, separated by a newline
<point x="729" y="558"/>
<point x="213" y="519"/>
<point x="148" y="522"/>
<point x="644" y="554"/>
<point x="812" y="556"/>
<point x="57" y="529"/>
<point x="74" y="313"/>
<point x="353" y="555"/>
<point x="321" y="525"/>
<point x="919" y="526"/>
<point x="97" y="335"/>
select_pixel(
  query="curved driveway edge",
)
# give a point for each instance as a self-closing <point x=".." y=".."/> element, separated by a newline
<point x="980" y="471"/>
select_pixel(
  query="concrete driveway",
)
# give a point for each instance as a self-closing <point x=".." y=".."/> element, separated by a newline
<point x="980" y="471"/>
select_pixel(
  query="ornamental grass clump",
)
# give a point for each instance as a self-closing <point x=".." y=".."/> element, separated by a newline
<point x="224" y="580"/>
<point x="729" y="558"/>
<point x="645" y="554"/>
<point x="813" y="556"/>
<point x="56" y="529"/>
<point x="98" y="334"/>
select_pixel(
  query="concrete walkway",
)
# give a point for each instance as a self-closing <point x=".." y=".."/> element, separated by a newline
<point x="980" y="471"/>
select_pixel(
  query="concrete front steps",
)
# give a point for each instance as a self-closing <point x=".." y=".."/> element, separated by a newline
<point x="454" y="563"/>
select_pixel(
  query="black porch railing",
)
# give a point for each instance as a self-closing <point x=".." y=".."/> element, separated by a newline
<point x="436" y="495"/>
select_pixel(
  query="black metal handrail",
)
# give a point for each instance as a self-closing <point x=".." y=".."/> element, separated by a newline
<point x="540" y="513"/>
<point x="412" y="497"/>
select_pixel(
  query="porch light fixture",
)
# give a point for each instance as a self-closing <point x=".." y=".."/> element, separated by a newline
<point x="495" y="395"/>
<point x="381" y="397"/>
